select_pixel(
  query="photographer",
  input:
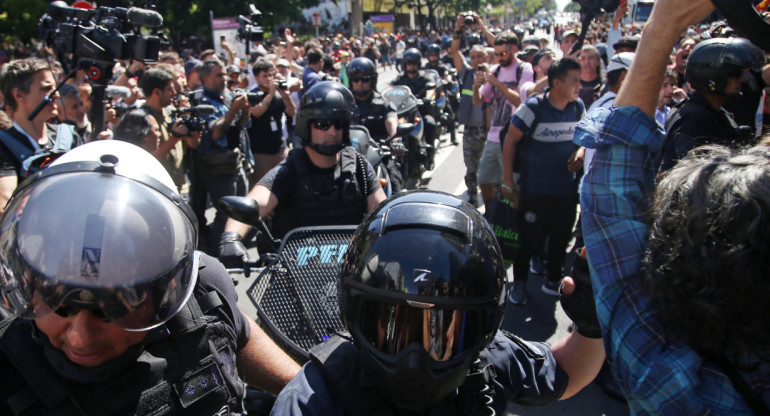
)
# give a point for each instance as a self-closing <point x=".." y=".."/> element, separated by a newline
<point x="159" y="90"/>
<point x="24" y="84"/>
<point x="266" y="131"/>
<point x="218" y="161"/>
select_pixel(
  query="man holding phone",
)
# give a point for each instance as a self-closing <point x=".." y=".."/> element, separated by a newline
<point x="470" y="115"/>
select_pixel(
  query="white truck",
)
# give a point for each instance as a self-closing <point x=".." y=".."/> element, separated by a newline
<point x="638" y="11"/>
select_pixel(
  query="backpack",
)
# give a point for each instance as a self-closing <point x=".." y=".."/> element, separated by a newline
<point x="32" y="161"/>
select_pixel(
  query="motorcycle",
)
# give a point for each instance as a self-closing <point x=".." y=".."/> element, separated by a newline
<point x="441" y="109"/>
<point x="376" y="155"/>
<point x="416" y="159"/>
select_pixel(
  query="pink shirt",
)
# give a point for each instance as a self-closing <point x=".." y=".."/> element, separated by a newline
<point x="502" y="109"/>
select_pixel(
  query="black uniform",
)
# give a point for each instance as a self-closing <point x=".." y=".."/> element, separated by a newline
<point x="696" y="123"/>
<point x="334" y="383"/>
<point x="187" y="366"/>
<point x="372" y="113"/>
<point x="309" y="195"/>
<point x="417" y="86"/>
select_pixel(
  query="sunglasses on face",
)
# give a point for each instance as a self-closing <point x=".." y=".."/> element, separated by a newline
<point x="326" y="124"/>
<point x="365" y="78"/>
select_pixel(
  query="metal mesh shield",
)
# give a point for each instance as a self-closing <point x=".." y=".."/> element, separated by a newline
<point x="296" y="295"/>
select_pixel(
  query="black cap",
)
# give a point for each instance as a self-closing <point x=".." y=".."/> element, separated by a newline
<point x="627" y="42"/>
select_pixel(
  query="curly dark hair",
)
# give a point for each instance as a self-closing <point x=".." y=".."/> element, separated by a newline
<point x="708" y="257"/>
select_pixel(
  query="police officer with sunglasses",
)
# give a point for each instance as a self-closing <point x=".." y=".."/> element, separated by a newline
<point x="110" y="309"/>
<point x="324" y="182"/>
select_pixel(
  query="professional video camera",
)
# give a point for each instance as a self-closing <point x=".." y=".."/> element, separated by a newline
<point x="250" y="30"/>
<point x="98" y="37"/>
<point x="93" y="40"/>
<point x="191" y="118"/>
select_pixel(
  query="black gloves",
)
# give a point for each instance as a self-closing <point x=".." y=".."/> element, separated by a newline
<point x="232" y="252"/>
<point x="580" y="305"/>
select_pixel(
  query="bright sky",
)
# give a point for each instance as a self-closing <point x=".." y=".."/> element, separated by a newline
<point x="561" y="3"/>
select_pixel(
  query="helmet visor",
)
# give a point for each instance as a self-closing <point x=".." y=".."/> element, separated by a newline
<point x="120" y="249"/>
<point x="443" y="333"/>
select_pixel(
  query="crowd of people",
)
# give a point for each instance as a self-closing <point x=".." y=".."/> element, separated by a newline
<point x="635" y="158"/>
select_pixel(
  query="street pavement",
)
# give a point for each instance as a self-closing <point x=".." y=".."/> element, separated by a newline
<point x="541" y="319"/>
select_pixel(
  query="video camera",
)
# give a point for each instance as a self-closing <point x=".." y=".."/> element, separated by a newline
<point x="98" y="37"/>
<point x="249" y="29"/>
<point x="95" y="40"/>
<point x="191" y="118"/>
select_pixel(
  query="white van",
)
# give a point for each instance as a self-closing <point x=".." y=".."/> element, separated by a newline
<point x="638" y="11"/>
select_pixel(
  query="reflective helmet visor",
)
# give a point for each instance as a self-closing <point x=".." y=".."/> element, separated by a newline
<point x="444" y="333"/>
<point x="96" y="241"/>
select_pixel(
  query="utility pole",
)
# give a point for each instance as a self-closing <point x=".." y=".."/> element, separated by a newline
<point x="356" y="17"/>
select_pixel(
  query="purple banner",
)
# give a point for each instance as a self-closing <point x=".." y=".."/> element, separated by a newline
<point x="380" y="18"/>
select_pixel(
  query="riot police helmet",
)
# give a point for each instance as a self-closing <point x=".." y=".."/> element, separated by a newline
<point x="325" y="101"/>
<point x="412" y="56"/>
<point x="434" y="49"/>
<point x="362" y="68"/>
<point x="422" y="292"/>
<point x="712" y="61"/>
<point x="102" y="229"/>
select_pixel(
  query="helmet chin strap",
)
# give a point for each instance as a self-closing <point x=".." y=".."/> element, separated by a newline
<point x="327" y="149"/>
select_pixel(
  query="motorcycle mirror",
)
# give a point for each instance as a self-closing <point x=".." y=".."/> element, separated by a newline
<point x="404" y="129"/>
<point x="430" y="85"/>
<point x="241" y="208"/>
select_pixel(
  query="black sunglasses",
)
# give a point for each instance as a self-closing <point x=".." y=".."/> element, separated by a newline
<point x="365" y="78"/>
<point x="326" y="124"/>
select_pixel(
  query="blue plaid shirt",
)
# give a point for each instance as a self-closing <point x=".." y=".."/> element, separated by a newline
<point x="659" y="373"/>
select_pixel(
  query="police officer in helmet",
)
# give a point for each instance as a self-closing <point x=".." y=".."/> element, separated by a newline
<point x="417" y="82"/>
<point x="434" y="60"/>
<point x="375" y="112"/>
<point x="112" y="311"/>
<point x="422" y="294"/>
<point x="325" y="182"/>
<point x="715" y="70"/>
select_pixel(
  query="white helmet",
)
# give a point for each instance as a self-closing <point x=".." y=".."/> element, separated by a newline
<point x="102" y="228"/>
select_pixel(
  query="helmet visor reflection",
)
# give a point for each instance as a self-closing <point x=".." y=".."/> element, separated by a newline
<point x="443" y="333"/>
<point x="134" y="308"/>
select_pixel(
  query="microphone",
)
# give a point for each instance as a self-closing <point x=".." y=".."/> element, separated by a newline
<point x="116" y="91"/>
<point x="144" y="17"/>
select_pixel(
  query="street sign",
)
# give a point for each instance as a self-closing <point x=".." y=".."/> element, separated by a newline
<point x="316" y="21"/>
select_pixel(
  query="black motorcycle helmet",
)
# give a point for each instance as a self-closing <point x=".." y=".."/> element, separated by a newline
<point x="712" y="61"/>
<point x="327" y="100"/>
<point x="413" y="56"/>
<point x="363" y="67"/>
<point x="434" y="48"/>
<point x="422" y="292"/>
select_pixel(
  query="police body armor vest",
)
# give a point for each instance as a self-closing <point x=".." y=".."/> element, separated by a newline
<point x="190" y="368"/>
<point x="375" y="120"/>
<point x="339" y="362"/>
<point x="323" y="199"/>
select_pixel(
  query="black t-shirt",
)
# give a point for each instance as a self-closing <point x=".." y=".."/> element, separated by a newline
<point x="266" y="132"/>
